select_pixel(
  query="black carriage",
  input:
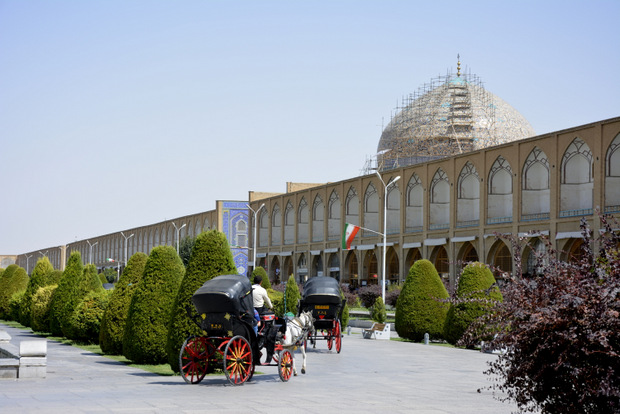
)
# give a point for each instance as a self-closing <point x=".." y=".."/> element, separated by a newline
<point x="226" y="316"/>
<point x="323" y="297"/>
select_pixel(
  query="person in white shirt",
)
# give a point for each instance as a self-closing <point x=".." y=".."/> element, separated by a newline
<point x="260" y="297"/>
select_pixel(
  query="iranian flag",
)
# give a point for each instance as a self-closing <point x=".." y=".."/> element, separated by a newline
<point x="350" y="230"/>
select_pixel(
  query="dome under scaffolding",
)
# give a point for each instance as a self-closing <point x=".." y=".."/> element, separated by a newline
<point x="452" y="114"/>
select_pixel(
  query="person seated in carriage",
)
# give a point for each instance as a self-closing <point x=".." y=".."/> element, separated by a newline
<point x="260" y="296"/>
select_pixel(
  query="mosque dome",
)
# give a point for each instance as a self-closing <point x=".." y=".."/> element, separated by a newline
<point x="452" y="114"/>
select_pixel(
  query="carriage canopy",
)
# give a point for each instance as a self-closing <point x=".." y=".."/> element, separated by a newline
<point x="322" y="290"/>
<point x="226" y="293"/>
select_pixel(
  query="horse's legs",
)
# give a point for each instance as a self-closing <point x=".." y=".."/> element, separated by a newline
<point x="294" y="367"/>
<point x="303" y="354"/>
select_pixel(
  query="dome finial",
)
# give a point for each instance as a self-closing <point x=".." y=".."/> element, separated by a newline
<point x="458" y="64"/>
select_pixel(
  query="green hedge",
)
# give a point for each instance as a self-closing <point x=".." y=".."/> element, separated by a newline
<point x="86" y="319"/>
<point x="475" y="292"/>
<point x="146" y="328"/>
<point x="211" y="257"/>
<point x="115" y="315"/>
<point x="292" y="295"/>
<point x="65" y="296"/>
<point x="419" y="308"/>
<point x="38" y="279"/>
<point x="14" y="279"/>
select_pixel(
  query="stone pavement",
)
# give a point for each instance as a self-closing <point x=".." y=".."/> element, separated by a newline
<point x="368" y="376"/>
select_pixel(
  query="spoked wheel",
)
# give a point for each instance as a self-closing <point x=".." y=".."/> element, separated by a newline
<point x="285" y="365"/>
<point x="338" y="335"/>
<point x="194" y="358"/>
<point x="330" y="339"/>
<point x="238" y="364"/>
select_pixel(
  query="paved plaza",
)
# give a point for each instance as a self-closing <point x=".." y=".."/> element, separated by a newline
<point x="368" y="376"/>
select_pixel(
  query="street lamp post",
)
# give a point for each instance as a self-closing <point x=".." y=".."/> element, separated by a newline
<point x="90" y="255"/>
<point x="126" y="238"/>
<point x="385" y="188"/>
<point x="178" y="230"/>
<point x="43" y="254"/>
<point x="254" y="228"/>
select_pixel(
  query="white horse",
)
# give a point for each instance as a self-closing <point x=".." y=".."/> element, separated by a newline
<point x="297" y="330"/>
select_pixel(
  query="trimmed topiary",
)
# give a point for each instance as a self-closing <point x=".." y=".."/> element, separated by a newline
<point x="89" y="282"/>
<point x="115" y="315"/>
<point x="40" y="315"/>
<point x="378" y="313"/>
<point x="475" y="294"/>
<point x="263" y="273"/>
<point x="419" y="308"/>
<point x="86" y="319"/>
<point x="277" y="300"/>
<point x="65" y="296"/>
<point x="38" y="279"/>
<point x="291" y="296"/>
<point x="211" y="257"/>
<point x="13" y="280"/>
<point x="15" y="304"/>
<point x="146" y="328"/>
<point x="54" y="278"/>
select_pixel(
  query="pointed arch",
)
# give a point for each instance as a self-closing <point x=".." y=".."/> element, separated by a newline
<point x="289" y="224"/>
<point x="393" y="209"/>
<point x="468" y="197"/>
<point x="612" y="177"/>
<point x="303" y="222"/>
<point x="414" y="210"/>
<point x="439" y="201"/>
<point x="371" y="209"/>
<point x="499" y="192"/>
<point x="334" y="213"/>
<point x="576" y="180"/>
<point x="535" y="192"/>
<point x="318" y="219"/>
<point x="263" y="228"/>
<point x="352" y="207"/>
<point x="276" y="225"/>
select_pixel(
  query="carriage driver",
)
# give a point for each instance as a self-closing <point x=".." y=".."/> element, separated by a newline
<point x="260" y="297"/>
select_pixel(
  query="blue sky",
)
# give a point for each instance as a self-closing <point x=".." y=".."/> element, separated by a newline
<point x="118" y="114"/>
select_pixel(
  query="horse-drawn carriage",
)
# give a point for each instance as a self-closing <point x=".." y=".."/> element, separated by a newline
<point x="226" y="316"/>
<point x="323" y="297"/>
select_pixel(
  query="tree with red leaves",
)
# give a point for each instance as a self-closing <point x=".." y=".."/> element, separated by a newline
<point x="560" y="330"/>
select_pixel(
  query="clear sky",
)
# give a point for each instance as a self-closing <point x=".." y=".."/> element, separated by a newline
<point x="118" y="114"/>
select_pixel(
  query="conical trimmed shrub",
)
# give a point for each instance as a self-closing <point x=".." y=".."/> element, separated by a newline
<point x="263" y="273"/>
<point x="378" y="313"/>
<point x="13" y="280"/>
<point x="291" y="296"/>
<point x="475" y="293"/>
<point x="41" y="301"/>
<point x="115" y="315"/>
<point x="86" y="319"/>
<point x="211" y="257"/>
<point x="65" y="295"/>
<point x="146" y="328"/>
<point x="419" y="308"/>
<point x="38" y="278"/>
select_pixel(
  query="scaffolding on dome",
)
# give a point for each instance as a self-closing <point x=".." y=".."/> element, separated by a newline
<point x="450" y="115"/>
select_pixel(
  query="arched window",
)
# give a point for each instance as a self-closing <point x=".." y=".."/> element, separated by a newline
<point x="371" y="209"/>
<point x="289" y="224"/>
<point x="352" y="207"/>
<point x="276" y="225"/>
<point x="241" y="233"/>
<point x="612" y="177"/>
<point x="414" y="212"/>
<point x="468" y="197"/>
<point x="393" y="209"/>
<point x="535" y="193"/>
<point x="333" y="222"/>
<point x="318" y="214"/>
<point x="263" y="228"/>
<point x="499" y="198"/>
<point x="576" y="181"/>
<point x="440" y="201"/>
<point x="302" y="221"/>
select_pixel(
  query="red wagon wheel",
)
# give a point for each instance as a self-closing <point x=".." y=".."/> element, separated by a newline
<point x="194" y="358"/>
<point x="238" y="364"/>
<point x="338" y="334"/>
<point x="285" y="365"/>
<point x="330" y="338"/>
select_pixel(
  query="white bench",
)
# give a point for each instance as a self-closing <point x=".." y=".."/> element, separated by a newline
<point x="377" y="331"/>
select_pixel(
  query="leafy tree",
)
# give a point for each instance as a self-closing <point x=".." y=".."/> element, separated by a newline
<point x="38" y="278"/>
<point x="54" y="278"/>
<point x="263" y="273"/>
<point x="110" y="274"/>
<point x="65" y="296"/>
<point x="89" y="282"/>
<point x="420" y="308"/>
<point x="378" y="313"/>
<point x="562" y="330"/>
<point x="14" y="279"/>
<point x="146" y="327"/>
<point x="185" y="249"/>
<point x="368" y="295"/>
<point x="41" y="301"/>
<point x="292" y="296"/>
<point x="115" y="315"/>
<point x="211" y="257"/>
<point x="475" y="296"/>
